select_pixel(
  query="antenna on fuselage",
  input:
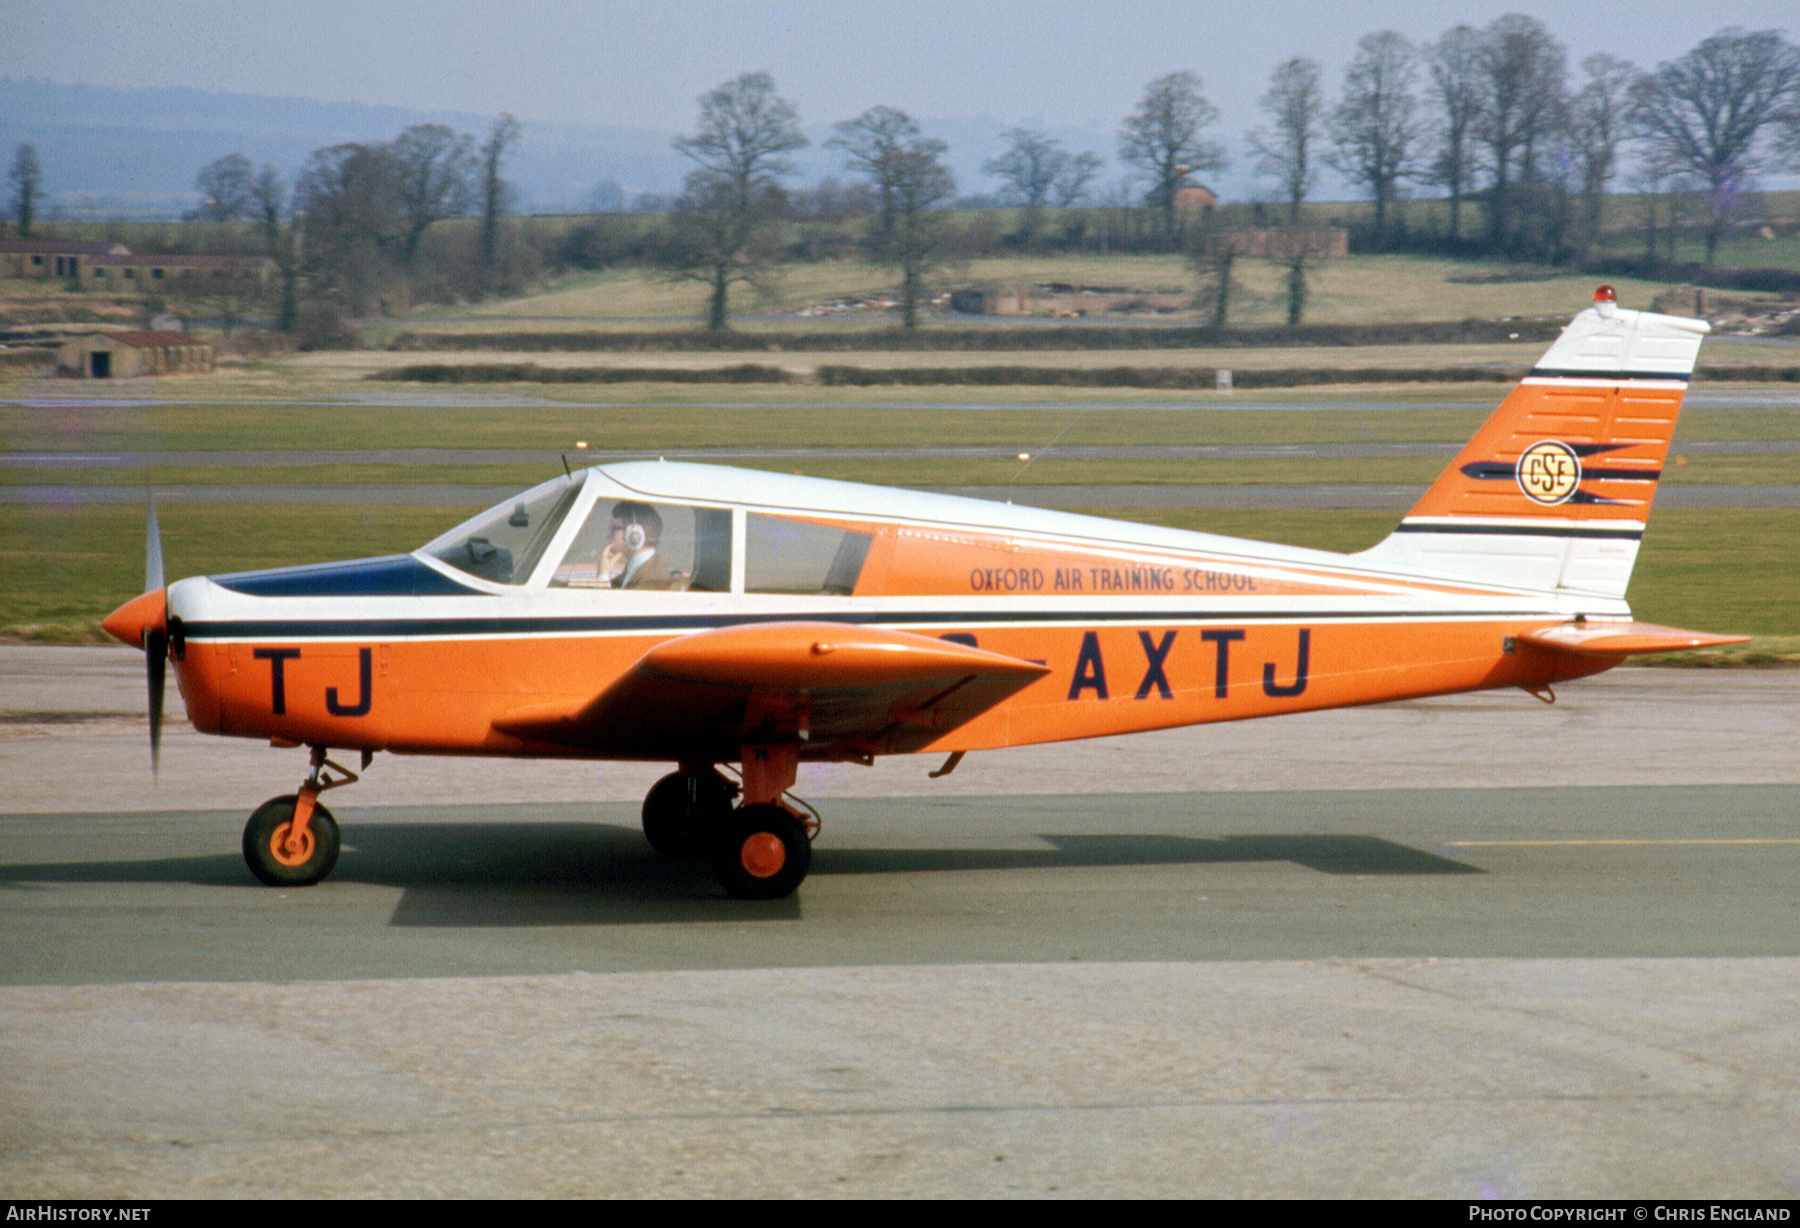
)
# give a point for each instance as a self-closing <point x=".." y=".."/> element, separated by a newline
<point x="1030" y="458"/>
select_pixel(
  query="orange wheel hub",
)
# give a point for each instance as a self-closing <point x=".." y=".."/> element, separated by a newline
<point x="302" y="851"/>
<point x="763" y="854"/>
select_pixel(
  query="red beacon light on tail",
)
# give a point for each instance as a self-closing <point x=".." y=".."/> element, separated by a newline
<point x="1606" y="301"/>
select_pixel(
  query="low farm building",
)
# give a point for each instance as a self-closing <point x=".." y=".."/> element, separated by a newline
<point x="112" y="267"/>
<point x="42" y="259"/>
<point x="1060" y="300"/>
<point x="114" y="355"/>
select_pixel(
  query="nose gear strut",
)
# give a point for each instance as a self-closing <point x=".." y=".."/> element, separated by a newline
<point x="293" y="841"/>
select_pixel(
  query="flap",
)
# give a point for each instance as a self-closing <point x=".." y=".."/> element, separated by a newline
<point x="1623" y="639"/>
<point x="842" y="690"/>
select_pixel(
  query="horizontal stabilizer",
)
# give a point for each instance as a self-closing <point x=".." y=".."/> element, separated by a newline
<point x="837" y="687"/>
<point x="1600" y="639"/>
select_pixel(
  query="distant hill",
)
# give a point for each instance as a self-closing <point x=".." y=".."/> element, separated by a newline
<point x="132" y="154"/>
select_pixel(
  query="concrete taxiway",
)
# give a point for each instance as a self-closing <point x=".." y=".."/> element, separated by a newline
<point x="1458" y="947"/>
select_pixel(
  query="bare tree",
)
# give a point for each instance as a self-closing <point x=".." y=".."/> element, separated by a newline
<point x="1707" y="113"/>
<point x="349" y="194"/>
<point x="1163" y="136"/>
<point x="1285" y="148"/>
<point x="354" y="223"/>
<point x="1521" y="75"/>
<point x="1213" y="257"/>
<point x="269" y="200"/>
<point x="1599" y="122"/>
<point x="226" y="188"/>
<point x="496" y="193"/>
<point x="1071" y="186"/>
<point x="745" y="129"/>
<point x="1029" y="168"/>
<point x="1649" y="179"/>
<point x="870" y="143"/>
<point x="920" y="180"/>
<point x="28" y="187"/>
<point x="1284" y="151"/>
<point x="1373" y="127"/>
<point x="1456" y="88"/>
<point x="434" y="178"/>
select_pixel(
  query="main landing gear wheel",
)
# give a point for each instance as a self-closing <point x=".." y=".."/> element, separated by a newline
<point x="683" y="813"/>
<point x="763" y="854"/>
<point x="265" y="836"/>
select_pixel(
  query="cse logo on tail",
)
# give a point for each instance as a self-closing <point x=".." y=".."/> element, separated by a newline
<point x="1549" y="472"/>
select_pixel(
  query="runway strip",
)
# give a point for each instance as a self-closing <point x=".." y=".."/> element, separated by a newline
<point x="1461" y="947"/>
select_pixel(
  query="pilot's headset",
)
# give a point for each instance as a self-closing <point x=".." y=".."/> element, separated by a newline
<point x="635" y="537"/>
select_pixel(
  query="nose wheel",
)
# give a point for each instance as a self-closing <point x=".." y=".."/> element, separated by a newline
<point x="282" y="856"/>
<point x="293" y="841"/>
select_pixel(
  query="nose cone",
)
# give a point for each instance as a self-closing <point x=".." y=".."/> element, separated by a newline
<point x="146" y="612"/>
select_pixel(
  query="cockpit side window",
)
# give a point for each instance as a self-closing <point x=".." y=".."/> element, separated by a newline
<point x="669" y="547"/>
<point x="505" y="543"/>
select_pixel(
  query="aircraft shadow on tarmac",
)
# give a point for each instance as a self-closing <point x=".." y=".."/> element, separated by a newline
<point x="503" y="874"/>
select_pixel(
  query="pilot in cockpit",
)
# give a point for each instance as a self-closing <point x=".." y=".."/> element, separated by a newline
<point x="630" y="559"/>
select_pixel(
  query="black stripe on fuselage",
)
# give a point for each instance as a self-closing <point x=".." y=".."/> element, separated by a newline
<point x="413" y="628"/>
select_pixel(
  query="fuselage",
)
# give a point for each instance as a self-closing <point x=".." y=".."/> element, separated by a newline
<point x="1140" y="627"/>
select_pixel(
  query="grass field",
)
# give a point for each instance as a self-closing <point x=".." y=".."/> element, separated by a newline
<point x="651" y="417"/>
<point x="1359" y="289"/>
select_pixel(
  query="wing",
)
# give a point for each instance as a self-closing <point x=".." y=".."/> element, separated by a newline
<point x="842" y="691"/>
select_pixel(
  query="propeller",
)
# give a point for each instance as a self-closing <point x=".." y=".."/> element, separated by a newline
<point x="156" y="664"/>
<point x="143" y="622"/>
<point x="153" y="569"/>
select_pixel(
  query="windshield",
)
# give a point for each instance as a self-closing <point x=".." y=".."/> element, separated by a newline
<point x="504" y="543"/>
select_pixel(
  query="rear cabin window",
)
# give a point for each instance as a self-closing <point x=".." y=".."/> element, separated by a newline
<point x="797" y="556"/>
<point x="666" y="547"/>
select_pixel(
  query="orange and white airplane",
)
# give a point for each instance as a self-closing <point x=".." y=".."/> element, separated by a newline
<point x="710" y="616"/>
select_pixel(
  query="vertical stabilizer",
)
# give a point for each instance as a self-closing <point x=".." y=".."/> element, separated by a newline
<point x="1554" y="490"/>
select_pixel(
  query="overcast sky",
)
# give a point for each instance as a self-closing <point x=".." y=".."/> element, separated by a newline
<point x="1069" y="65"/>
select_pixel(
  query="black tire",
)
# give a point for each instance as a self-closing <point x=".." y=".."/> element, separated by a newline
<point x="263" y="831"/>
<point x="683" y="814"/>
<point x="763" y="853"/>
